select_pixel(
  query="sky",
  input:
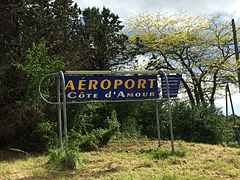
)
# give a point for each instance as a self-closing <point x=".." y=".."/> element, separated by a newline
<point x="221" y="102"/>
<point x="128" y="8"/>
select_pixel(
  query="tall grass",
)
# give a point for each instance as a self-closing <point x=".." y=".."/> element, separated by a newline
<point x="65" y="159"/>
<point x="164" y="153"/>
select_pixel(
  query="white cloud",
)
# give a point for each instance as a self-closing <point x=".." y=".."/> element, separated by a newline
<point x="126" y="8"/>
<point x="221" y="103"/>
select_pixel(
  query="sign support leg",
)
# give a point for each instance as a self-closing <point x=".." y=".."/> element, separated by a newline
<point x="64" y="110"/>
<point x="59" y="110"/>
<point x="236" y="129"/>
<point x="169" y="112"/>
<point x="171" y="127"/>
<point x="158" y="124"/>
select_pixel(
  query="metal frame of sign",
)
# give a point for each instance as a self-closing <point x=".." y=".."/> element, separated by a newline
<point x="62" y="105"/>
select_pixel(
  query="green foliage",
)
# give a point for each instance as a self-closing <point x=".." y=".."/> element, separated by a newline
<point x="38" y="63"/>
<point x="201" y="51"/>
<point x="48" y="136"/>
<point x="203" y="123"/>
<point x="101" y="41"/>
<point x="32" y="131"/>
<point x="157" y="153"/>
<point x="164" y="153"/>
<point x="130" y="127"/>
<point x="181" y="151"/>
<point x="136" y="119"/>
<point x="95" y="138"/>
<point x="41" y="38"/>
<point x="147" y="117"/>
<point x="59" y="158"/>
<point x="231" y="144"/>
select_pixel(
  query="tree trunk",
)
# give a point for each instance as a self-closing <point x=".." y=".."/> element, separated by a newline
<point x="211" y="100"/>
<point x="190" y="95"/>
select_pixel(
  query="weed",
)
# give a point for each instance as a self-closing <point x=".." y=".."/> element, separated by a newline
<point x="37" y="173"/>
<point x="65" y="159"/>
<point x="169" y="177"/>
<point x="231" y="144"/>
<point x="233" y="161"/>
<point x="163" y="153"/>
<point x="181" y="151"/>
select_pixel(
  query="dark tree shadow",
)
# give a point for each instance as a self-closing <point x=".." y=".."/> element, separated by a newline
<point x="12" y="155"/>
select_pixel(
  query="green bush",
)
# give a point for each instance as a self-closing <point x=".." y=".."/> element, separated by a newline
<point x="157" y="153"/>
<point x="163" y="153"/>
<point x="136" y="119"/>
<point x="203" y="123"/>
<point x="38" y="63"/>
<point x="97" y="137"/>
<point x="22" y="117"/>
<point x="91" y="141"/>
<point x="47" y="131"/>
<point x="59" y="158"/>
<point x="181" y="151"/>
<point x="130" y="128"/>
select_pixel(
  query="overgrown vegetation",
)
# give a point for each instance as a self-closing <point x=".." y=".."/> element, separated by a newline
<point x="203" y="123"/>
<point x="164" y="153"/>
<point x="92" y="126"/>
<point x="60" y="158"/>
<point x="39" y="38"/>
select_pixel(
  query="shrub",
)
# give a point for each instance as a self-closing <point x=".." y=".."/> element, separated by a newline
<point x="47" y="132"/>
<point x="157" y="153"/>
<point x="203" y="123"/>
<point x="97" y="137"/>
<point x="59" y="158"/>
<point x="163" y="153"/>
<point x="136" y="119"/>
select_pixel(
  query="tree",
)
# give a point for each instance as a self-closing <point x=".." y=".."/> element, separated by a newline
<point x="87" y="39"/>
<point x="98" y="39"/>
<point x="198" y="47"/>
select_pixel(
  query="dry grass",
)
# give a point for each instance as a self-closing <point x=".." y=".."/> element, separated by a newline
<point x="122" y="160"/>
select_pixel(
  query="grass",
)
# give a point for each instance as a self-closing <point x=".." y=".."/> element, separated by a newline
<point x="134" y="159"/>
<point x="164" y="153"/>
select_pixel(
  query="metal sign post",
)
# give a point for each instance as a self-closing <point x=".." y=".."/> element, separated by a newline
<point x="114" y="87"/>
<point x="170" y="116"/>
<point x="64" y="106"/>
<point x="61" y="105"/>
<point x="166" y="93"/>
<point x="158" y="124"/>
<point x="59" y="110"/>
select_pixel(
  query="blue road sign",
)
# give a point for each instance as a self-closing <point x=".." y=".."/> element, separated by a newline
<point x="83" y="88"/>
<point x="174" y="83"/>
